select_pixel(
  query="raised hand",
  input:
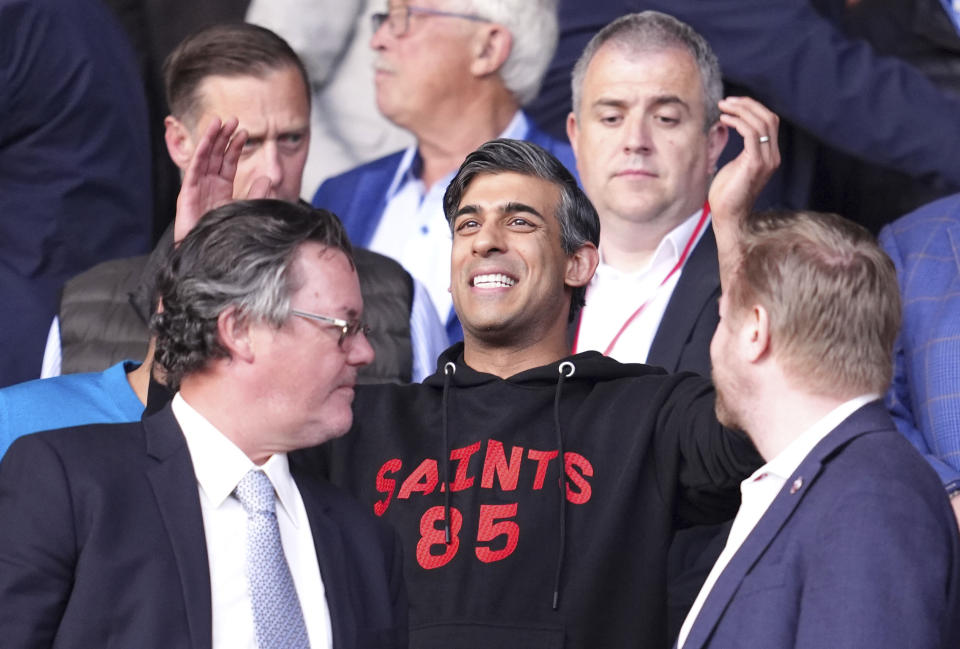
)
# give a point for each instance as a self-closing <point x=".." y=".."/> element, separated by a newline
<point x="737" y="185"/>
<point x="208" y="180"/>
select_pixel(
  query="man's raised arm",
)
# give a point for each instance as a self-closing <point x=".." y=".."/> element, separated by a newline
<point x="736" y="186"/>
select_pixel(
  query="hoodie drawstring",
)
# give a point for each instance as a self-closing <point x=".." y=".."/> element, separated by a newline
<point x="449" y="369"/>
<point x="566" y="365"/>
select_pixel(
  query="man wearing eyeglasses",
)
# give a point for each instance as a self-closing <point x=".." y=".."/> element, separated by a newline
<point x="455" y="74"/>
<point x="191" y="527"/>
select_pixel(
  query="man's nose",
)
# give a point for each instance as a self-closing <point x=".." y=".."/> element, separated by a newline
<point x="637" y="136"/>
<point x="272" y="164"/>
<point x="361" y="351"/>
<point x="489" y="238"/>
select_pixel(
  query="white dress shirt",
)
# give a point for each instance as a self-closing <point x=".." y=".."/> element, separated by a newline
<point x="413" y="229"/>
<point x="219" y="465"/>
<point x="761" y="488"/>
<point x="613" y="296"/>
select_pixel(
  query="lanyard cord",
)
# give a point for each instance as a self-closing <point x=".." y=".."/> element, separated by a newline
<point x="683" y="258"/>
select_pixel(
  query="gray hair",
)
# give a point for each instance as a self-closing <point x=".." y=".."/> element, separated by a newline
<point x="240" y="255"/>
<point x="653" y="31"/>
<point x="533" y="26"/>
<point x="579" y="223"/>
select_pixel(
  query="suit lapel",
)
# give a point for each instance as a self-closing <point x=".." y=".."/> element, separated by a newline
<point x="697" y="289"/>
<point x="174" y="486"/>
<point x="370" y="199"/>
<point x="329" y="546"/>
<point x="871" y="417"/>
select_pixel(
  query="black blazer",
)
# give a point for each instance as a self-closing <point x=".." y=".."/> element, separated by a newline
<point x="102" y="545"/>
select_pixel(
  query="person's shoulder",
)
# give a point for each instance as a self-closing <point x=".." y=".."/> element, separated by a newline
<point x="336" y="503"/>
<point x="921" y="226"/>
<point x="350" y="177"/>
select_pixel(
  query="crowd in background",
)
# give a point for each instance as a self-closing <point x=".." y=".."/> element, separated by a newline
<point x="123" y="121"/>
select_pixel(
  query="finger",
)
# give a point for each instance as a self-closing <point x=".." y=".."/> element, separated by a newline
<point x="200" y="161"/>
<point x="756" y="124"/>
<point x="231" y="157"/>
<point x="220" y="144"/>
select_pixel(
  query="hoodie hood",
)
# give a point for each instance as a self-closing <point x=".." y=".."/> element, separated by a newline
<point x="589" y="366"/>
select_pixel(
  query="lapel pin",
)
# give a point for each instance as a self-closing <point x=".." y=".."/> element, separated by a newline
<point x="795" y="487"/>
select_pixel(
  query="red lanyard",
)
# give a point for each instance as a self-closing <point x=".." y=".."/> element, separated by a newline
<point x="683" y="258"/>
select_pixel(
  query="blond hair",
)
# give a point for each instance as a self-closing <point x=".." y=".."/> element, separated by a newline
<point x="831" y="294"/>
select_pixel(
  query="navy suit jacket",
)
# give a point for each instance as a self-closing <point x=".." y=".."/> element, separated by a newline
<point x="359" y="196"/>
<point x="75" y="166"/>
<point x="859" y="549"/>
<point x="102" y="545"/>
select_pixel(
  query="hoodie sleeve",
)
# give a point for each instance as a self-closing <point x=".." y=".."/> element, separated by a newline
<point x="710" y="461"/>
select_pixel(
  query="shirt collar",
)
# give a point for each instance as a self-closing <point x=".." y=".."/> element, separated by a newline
<point x="411" y="164"/>
<point x="668" y="250"/>
<point x="219" y="464"/>
<point x="787" y="460"/>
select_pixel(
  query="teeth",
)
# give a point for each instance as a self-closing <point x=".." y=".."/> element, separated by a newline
<point x="496" y="280"/>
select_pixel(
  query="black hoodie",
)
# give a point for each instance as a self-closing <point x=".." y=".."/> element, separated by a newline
<point x="644" y="456"/>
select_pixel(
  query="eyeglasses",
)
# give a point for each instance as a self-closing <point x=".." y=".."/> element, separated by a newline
<point x="398" y="18"/>
<point x="348" y="329"/>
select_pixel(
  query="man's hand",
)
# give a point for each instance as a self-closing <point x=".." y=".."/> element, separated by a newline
<point x="208" y="180"/>
<point x="737" y="185"/>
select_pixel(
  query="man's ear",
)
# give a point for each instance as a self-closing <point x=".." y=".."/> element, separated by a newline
<point x="755" y="333"/>
<point x="490" y="49"/>
<point x="235" y="335"/>
<point x="572" y="127"/>
<point x="581" y="265"/>
<point x="180" y="144"/>
<point x="717" y="138"/>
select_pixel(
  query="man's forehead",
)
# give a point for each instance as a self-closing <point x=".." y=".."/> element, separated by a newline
<point x="240" y="93"/>
<point x="503" y="189"/>
<point x="326" y="273"/>
<point x="658" y="62"/>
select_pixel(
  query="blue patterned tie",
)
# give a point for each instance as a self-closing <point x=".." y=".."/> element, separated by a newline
<point x="277" y="617"/>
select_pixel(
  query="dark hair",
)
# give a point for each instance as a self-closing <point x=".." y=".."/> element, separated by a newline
<point x="230" y="50"/>
<point x="578" y="219"/>
<point x="239" y="255"/>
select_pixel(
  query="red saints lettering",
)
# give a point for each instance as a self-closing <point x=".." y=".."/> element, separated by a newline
<point x="500" y="470"/>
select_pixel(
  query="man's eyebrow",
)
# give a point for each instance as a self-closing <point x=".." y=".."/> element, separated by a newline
<point x="510" y="207"/>
<point x="516" y="206"/>
<point x="466" y="209"/>
<point x="665" y="100"/>
<point x="610" y="102"/>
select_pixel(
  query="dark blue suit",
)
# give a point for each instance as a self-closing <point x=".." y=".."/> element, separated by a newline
<point x="75" y="184"/>
<point x="859" y="549"/>
<point x="359" y="196"/>
<point x="102" y="545"/>
<point x="925" y="396"/>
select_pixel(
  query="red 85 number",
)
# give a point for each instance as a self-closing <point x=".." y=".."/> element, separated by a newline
<point x="433" y="552"/>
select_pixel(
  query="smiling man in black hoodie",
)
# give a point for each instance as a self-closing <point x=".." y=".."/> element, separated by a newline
<point x="502" y="547"/>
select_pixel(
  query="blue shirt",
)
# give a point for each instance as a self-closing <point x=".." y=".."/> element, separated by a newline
<point x="69" y="400"/>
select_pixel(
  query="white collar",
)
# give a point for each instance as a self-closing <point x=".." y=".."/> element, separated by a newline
<point x="786" y="461"/>
<point x="219" y="464"/>
<point x="668" y="251"/>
